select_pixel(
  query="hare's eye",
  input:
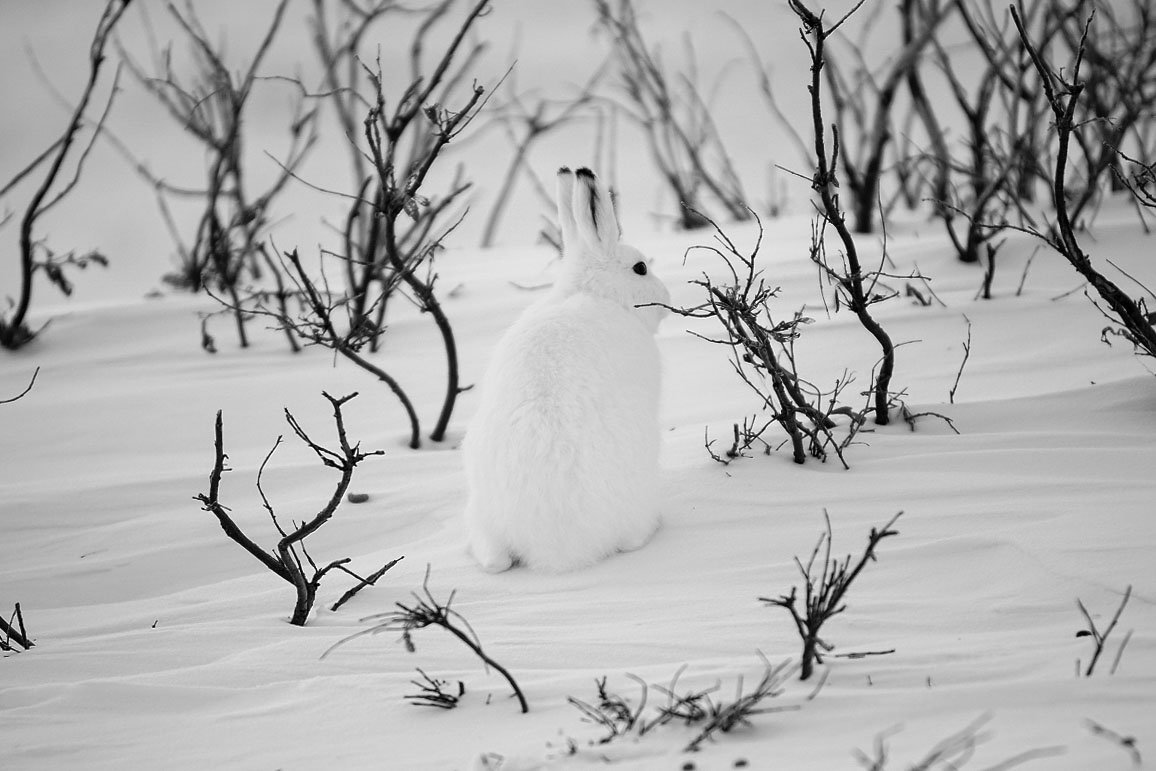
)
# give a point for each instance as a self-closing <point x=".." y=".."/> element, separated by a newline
<point x="640" y="268"/>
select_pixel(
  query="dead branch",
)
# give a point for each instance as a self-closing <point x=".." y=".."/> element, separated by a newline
<point x="952" y="752"/>
<point x="698" y="708"/>
<point x="1126" y="743"/>
<point x="27" y="388"/>
<point x="428" y="611"/>
<point x="853" y="282"/>
<point x="285" y="560"/>
<point x="825" y="591"/>
<point x="681" y="134"/>
<point x="14" y="631"/>
<point x="432" y="692"/>
<point x="962" y="364"/>
<point x="369" y="580"/>
<point x="212" y="106"/>
<point x="525" y="123"/>
<point x="1130" y="316"/>
<point x="317" y="324"/>
<point x="763" y="356"/>
<point x="14" y="331"/>
<point x="404" y="138"/>
<point x="1100" y="638"/>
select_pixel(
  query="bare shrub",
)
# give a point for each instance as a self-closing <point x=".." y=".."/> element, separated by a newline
<point x="855" y="287"/>
<point x="212" y="105"/>
<point x="951" y="753"/>
<point x="763" y="356"/>
<point x="1114" y="110"/>
<point x="320" y="318"/>
<point x="863" y="101"/>
<point x="699" y="709"/>
<point x="526" y="119"/>
<point x="981" y="186"/>
<point x="1129" y="317"/>
<point x="427" y="611"/>
<point x="394" y="228"/>
<point x="432" y="692"/>
<point x="35" y="254"/>
<point x="681" y="135"/>
<point x="824" y="592"/>
<point x="288" y="560"/>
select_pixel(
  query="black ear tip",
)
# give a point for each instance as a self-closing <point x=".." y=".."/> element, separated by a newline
<point x="585" y="172"/>
<point x="563" y="169"/>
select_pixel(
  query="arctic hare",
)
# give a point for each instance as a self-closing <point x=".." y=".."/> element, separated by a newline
<point x="562" y="457"/>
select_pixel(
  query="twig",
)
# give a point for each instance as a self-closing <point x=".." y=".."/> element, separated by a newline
<point x="27" y="388"/>
<point x="369" y="580"/>
<point x="432" y="692"/>
<point x="1127" y="743"/>
<point x="428" y="611"/>
<point x="285" y="561"/>
<point x="824" y="592"/>
<point x="1099" y="639"/>
<point x="14" y="332"/>
<point x="966" y="354"/>
<point x="14" y="634"/>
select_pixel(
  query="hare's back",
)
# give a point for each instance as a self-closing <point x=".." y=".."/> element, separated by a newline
<point x="582" y="353"/>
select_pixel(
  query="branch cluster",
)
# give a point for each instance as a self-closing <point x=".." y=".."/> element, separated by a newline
<point x="699" y="709"/>
<point x="1129" y="317"/>
<point x="683" y="139"/>
<point x="426" y="611"/>
<point x="763" y="356"/>
<point x="824" y="591"/>
<point x="226" y="254"/>
<point x="855" y="287"/>
<point x="289" y="558"/>
<point x="35" y="254"/>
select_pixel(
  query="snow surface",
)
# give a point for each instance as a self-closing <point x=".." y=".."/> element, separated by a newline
<point x="161" y="644"/>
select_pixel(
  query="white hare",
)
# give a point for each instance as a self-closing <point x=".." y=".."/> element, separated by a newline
<point x="562" y="457"/>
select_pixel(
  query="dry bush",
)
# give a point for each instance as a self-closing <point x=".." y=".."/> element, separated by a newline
<point x="681" y="135"/>
<point x="863" y="100"/>
<point x="394" y="228"/>
<point x="289" y="559"/>
<point x="824" y="591"/>
<point x="35" y="254"/>
<point x="951" y="753"/>
<point x="855" y="288"/>
<point x="212" y="105"/>
<point x="526" y="119"/>
<point x="426" y="611"/>
<point x="1129" y="317"/>
<point x="698" y="709"/>
<point x="763" y="356"/>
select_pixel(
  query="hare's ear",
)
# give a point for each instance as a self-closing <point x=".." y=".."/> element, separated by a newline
<point x="594" y="216"/>
<point x="566" y="209"/>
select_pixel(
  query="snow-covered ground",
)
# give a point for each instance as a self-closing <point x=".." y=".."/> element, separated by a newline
<point x="161" y="644"/>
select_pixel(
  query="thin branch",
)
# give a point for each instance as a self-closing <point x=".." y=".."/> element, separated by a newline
<point x="27" y="388"/>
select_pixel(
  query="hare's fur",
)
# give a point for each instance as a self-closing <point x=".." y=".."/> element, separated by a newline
<point x="562" y="456"/>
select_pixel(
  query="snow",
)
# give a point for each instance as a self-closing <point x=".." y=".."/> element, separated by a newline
<point x="160" y="643"/>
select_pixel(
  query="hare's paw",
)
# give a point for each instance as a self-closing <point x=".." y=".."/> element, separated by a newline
<point x="638" y="539"/>
<point x="490" y="555"/>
